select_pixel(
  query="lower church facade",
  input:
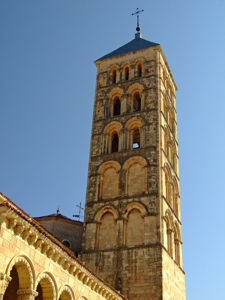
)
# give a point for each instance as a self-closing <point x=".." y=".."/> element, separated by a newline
<point x="35" y="265"/>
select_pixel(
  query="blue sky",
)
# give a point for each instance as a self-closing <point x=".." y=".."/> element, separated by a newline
<point x="47" y="83"/>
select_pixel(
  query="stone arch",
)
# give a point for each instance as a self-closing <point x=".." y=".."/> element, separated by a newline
<point x="21" y="271"/>
<point x="46" y="286"/>
<point x="110" y="130"/>
<point x="126" y="71"/>
<point x="106" y="229"/>
<point x="135" y="175"/>
<point x="114" y="73"/>
<point x="139" y="63"/>
<point x="169" y="229"/>
<point x="136" y="98"/>
<point x="134" y="205"/>
<point x="103" y="210"/>
<point x="131" y="126"/>
<point x="25" y="271"/>
<point x="114" y="94"/>
<point x="66" y="293"/>
<point x="108" y="180"/>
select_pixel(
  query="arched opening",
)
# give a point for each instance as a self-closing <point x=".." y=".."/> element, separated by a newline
<point x="65" y="296"/>
<point x="66" y="243"/>
<point x="136" y="139"/>
<point x="114" y="76"/>
<point x="136" y="179"/>
<point x="11" y="291"/>
<point x="116" y="107"/>
<point x="137" y="102"/>
<point x="139" y="69"/>
<point x="127" y="73"/>
<point x="115" y="143"/>
<point x="45" y="290"/>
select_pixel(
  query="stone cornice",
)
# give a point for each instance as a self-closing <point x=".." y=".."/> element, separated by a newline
<point x="36" y="236"/>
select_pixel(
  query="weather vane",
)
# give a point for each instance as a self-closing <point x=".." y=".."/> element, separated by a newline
<point x="138" y="11"/>
<point x="80" y="209"/>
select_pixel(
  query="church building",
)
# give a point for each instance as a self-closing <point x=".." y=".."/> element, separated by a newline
<point x="129" y="246"/>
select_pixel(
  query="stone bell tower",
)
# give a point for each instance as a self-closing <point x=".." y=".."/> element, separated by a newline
<point x="132" y="227"/>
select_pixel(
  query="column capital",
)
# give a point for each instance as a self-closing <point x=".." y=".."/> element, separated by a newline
<point x="26" y="294"/>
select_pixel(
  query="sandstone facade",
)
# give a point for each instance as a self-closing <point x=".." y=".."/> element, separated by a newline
<point x="35" y="265"/>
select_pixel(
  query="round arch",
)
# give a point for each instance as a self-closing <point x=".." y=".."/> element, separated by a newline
<point x="134" y="205"/>
<point x="109" y="164"/>
<point x="47" y="283"/>
<point x="104" y="210"/>
<point x="66" y="293"/>
<point x="135" y="159"/>
<point x="25" y="270"/>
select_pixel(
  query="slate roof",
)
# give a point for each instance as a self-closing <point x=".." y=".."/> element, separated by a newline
<point x="138" y="43"/>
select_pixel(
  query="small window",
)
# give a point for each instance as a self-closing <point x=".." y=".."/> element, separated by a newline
<point x="66" y="243"/>
<point x="116" y="107"/>
<point x="115" y="142"/>
<point x="126" y="73"/>
<point x="136" y="139"/>
<point x="114" y="76"/>
<point x="137" y="102"/>
<point x="139" y="70"/>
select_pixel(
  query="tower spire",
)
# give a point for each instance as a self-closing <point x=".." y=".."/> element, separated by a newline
<point x="137" y="12"/>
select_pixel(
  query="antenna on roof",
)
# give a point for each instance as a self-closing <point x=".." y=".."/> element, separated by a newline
<point x="138" y="11"/>
<point x="79" y="214"/>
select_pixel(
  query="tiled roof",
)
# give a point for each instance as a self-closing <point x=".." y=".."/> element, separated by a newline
<point x="138" y="43"/>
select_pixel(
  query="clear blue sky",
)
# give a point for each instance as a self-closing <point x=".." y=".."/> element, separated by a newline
<point x="47" y="83"/>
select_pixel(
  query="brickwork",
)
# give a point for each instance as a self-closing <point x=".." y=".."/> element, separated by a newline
<point x="132" y="213"/>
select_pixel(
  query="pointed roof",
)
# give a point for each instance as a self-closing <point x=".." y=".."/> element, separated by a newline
<point x="138" y="43"/>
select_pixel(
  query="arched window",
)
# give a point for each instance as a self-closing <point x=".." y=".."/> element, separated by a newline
<point x="137" y="102"/>
<point x="115" y="143"/>
<point x="136" y="139"/>
<point x="114" y="76"/>
<point x="139" y="70"/>
<point x="116" y="107"/>
<point x="127" y="73"/>
<point x="66" y="243"/>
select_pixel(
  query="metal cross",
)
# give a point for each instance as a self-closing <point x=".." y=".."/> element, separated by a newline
<point x="80" y="208"/>
<point x="138" y="11"/>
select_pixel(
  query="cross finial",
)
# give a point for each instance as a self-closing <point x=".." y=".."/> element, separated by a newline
<point x="138" y="11"/>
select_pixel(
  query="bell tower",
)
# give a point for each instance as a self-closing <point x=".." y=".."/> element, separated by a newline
<point x="132" y="226"/>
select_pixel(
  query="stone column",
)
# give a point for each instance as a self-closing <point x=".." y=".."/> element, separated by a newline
<point x="4" y="282"/>
<point x="26" y="294"/>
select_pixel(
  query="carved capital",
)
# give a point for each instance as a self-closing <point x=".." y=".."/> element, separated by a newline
<point x="26" y="294"/>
